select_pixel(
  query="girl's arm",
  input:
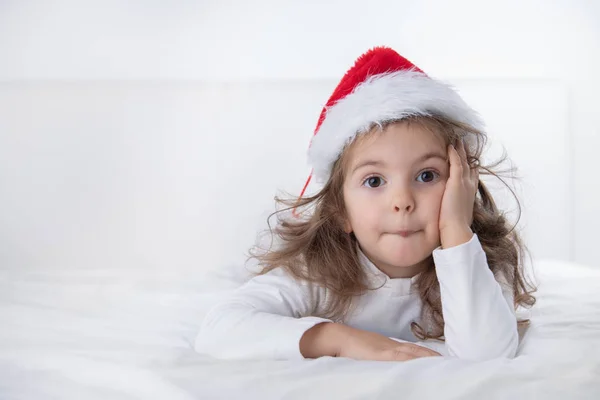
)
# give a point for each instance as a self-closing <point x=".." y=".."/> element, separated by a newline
<point x="480" y="320"/>
<point x="337" y="340"/>
<point x="265" y="319"/>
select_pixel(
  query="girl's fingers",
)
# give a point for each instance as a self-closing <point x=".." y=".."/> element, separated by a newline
<point x="456" y="169"/>
<point x="475" y="175"/>
<point x="419" y="351"/>
<point x="462" y="152"/>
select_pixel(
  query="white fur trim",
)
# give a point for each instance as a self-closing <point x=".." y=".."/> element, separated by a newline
<point x="381" y="98"/>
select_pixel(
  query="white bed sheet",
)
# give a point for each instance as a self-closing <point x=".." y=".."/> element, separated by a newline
<point x="108" y="334"/>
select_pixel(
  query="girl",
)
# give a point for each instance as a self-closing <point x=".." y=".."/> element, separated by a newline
<point x="395" y="257"/>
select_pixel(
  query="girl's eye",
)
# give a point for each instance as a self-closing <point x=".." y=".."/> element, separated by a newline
<point x="428" y="176"/>
<point x="373" y="181"/>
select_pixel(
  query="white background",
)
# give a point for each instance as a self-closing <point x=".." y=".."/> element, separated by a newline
<point x="154" y="134"/>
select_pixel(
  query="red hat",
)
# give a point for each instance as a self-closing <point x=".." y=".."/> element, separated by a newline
<point x="381" y="86"/>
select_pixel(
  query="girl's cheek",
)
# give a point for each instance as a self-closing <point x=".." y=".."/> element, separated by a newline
<point x="440" y="189"/>
<point x="434" y="202"/>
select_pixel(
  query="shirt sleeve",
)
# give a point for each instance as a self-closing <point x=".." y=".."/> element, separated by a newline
<point x="479" y="315"/>
<point x="263" y="319"/>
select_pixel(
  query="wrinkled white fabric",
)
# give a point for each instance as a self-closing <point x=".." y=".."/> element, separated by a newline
<point x="128" y="333"/>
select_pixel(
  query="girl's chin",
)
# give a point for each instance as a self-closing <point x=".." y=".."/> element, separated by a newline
<point x="405" y="257"/>
<point x="404" y="263"/>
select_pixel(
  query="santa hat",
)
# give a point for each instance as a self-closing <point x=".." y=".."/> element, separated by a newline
<point x="381" y="86"/>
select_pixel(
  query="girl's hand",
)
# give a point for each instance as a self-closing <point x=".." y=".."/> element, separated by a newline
<point x="364" y="345"/>
<point x="337" y="340"/>
<point x="456" y="212"/>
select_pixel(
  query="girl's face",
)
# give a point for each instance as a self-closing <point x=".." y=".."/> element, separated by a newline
<point x="394" y="183"/>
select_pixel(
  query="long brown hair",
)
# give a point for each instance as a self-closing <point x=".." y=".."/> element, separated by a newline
<point x="315" y="248"/>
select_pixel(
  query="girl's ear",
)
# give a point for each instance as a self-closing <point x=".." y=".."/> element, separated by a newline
<point x="347" y="226"/>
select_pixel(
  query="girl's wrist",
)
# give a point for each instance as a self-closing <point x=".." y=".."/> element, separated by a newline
<point x="455" y="236"/>
<point x="321" y="340"/>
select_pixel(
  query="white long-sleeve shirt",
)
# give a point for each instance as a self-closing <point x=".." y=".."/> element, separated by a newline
<point x="267" y="316"/>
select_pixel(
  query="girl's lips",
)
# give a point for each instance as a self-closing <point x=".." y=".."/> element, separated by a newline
<point x="404" y="233"/>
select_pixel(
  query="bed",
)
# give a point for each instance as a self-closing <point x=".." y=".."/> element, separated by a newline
<point x="97" y="334"/>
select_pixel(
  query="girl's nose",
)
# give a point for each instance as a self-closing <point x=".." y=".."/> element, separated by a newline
<point x="407" y="208"/>
<point x="403" y="200"/>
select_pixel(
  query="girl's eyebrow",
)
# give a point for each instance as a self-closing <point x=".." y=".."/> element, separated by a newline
<point x="367" y="163"/>
<point x="430" y="155"/>
<point x="380" y="163"/>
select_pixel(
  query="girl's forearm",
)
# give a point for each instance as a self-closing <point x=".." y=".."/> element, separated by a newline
<point x="321" y="340"/>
